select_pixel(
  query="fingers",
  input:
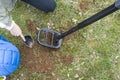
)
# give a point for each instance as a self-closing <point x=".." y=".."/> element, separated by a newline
<point x="16" y="31"/>
<point x="23" y="38"/>
<point x="4" y="77"/>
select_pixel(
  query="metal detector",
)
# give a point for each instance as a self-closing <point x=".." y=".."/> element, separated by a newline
<point x="53" y="39"/>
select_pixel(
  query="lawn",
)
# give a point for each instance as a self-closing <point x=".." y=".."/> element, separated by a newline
<point x="92" y="53"/>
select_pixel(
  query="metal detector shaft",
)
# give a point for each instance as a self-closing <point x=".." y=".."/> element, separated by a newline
<point x="92" y="19"/>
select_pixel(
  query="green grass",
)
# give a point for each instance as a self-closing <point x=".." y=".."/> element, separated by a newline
<point x="96" y="48"/>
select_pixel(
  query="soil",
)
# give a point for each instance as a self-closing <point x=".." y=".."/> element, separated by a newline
<point x="84" y="5"/>
<point x="66" y="59"/>
<point x="39" y="58"/>
<point x="31" y="25"/>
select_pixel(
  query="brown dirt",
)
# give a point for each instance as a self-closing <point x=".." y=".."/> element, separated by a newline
<point x="39" y="58"/>
<point x="84" y="5"/>
<point x="66" y="59"/>
<point x="31" y="25"/>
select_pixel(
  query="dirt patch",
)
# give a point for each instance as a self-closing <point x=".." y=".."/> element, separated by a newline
<point x="37" y="59"/>
<point x="31" y="25"/>
<point x="66" y="59"/>
<point x="84" y="5"/>
<point x="41" y="59"/>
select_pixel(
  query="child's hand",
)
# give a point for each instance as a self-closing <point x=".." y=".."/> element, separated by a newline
<point x="16" y="31"/>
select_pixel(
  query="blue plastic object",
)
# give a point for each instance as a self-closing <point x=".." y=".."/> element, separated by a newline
<point x="9" y="57"/>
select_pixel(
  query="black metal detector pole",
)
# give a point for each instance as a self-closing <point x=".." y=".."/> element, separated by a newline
<point x="92" y="19"/>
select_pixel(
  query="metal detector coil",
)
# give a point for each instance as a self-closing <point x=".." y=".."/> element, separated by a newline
<point x="48" y="38"/>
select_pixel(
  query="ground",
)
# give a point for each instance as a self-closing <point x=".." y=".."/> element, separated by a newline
<point x="39" y="58"/>
<point x="92" y="53"/>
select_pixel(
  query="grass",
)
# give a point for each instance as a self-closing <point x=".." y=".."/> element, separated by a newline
<point x="96" y="48"/>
